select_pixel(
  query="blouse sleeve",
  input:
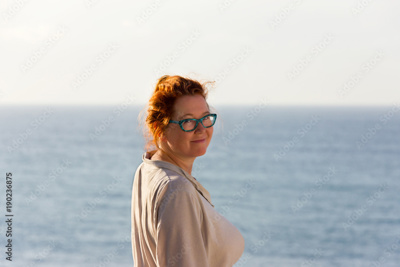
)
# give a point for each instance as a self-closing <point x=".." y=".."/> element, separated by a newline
<point x="179" y="235"/>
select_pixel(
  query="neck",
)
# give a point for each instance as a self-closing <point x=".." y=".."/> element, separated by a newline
<point x="185" y="164"/>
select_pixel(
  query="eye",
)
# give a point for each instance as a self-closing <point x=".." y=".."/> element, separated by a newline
<point x="187" y="121"/>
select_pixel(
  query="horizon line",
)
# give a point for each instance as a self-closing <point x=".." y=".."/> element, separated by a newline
<point x="218" y="105"/>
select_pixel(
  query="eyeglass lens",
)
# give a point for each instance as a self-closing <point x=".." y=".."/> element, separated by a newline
<point x="208" y="121"/>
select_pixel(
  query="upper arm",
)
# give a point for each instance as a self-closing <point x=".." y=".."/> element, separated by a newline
<point x="179" y="228"/>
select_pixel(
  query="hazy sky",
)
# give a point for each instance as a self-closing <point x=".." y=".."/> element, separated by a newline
<point x="281" y="52"/>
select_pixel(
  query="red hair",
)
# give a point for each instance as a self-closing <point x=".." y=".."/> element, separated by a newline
<point x="161" y="104"/>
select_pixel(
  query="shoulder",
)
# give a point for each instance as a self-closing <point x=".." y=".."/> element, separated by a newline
<point x="162" y="184"/>
<point x="177" y="198"/>
<point x="172" y="183"/>
<point x="174" y="192"/>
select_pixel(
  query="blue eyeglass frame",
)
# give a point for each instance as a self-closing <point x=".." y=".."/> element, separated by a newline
<point x="197" y="122"/>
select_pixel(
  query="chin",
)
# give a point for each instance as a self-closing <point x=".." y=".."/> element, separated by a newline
<point x="199" y="153"/>
<point x="200" y="150"/>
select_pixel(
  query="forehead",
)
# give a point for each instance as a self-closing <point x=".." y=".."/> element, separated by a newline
<point x="194" y="105"/>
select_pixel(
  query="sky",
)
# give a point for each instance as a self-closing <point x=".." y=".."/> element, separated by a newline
<point x="98" y="52"/>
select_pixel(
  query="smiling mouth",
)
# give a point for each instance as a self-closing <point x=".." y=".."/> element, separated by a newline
<point x="199" y="141"/>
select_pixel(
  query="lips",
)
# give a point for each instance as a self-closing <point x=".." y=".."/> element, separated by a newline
<point x="199" y="141"/>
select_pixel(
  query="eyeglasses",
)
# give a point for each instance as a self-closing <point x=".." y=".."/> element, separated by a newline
<point x="189" y="125"/>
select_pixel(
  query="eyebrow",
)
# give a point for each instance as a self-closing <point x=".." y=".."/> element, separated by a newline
<point x="190" y="114"/>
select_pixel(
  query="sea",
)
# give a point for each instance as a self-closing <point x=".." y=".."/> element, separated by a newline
<point x="305" y="185"/>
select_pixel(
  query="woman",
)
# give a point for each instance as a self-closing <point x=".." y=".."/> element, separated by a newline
<point x="174" y="222"/>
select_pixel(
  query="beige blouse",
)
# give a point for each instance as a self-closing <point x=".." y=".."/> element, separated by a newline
<point x="174" y="222"/>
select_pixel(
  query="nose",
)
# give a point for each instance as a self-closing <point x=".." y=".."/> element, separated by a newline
<point x="200" y="128"/>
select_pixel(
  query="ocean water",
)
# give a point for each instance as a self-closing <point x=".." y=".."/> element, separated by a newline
<point x="306" y="186"/>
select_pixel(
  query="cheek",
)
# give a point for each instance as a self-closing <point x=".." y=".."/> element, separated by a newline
<point x="180" y="139"/>
<point x="210" y="132"/>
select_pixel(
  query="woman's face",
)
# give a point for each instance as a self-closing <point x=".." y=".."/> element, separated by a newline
<point x="188" y="144"/>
